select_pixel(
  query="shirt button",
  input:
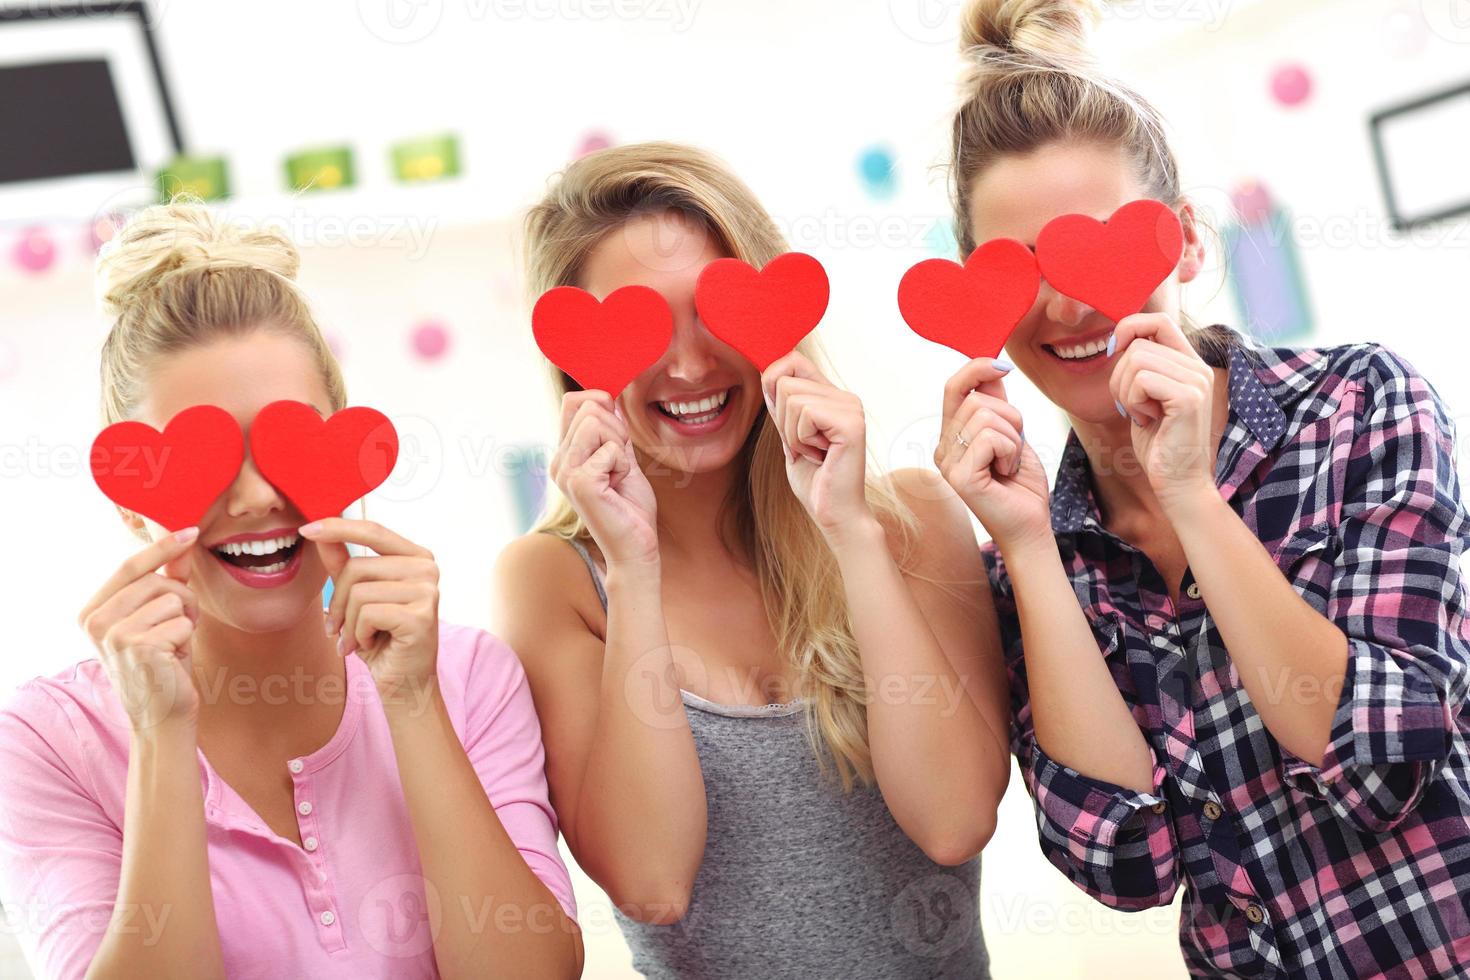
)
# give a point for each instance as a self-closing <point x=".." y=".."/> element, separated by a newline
<point x="303" y="808"/>
<point x="1254" y="913"/>
<point x="295" y="765"/>
<point x="328" y="917"/>
<point x="309" y="843"/>
<point x="1212" y="810"/>
<point x="1193" y="590"/>
<point x="1158" y="807"/>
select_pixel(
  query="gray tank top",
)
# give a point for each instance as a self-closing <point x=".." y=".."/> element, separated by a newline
<point x="800" y="880"/>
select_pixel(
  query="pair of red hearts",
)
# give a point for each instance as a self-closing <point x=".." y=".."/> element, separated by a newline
<point x="1112" y="266"/>
<point x="762" y="314"/>
<point x="321" y="465"/>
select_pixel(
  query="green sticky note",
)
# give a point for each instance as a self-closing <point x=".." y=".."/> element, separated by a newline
<point x="207" y="178"/>
<point x="321" y="170"/>
<point x="429" y="158"/>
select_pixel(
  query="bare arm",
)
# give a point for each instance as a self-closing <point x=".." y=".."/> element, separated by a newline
<point x="624" y="774"/>
<point x="937" y="705"/>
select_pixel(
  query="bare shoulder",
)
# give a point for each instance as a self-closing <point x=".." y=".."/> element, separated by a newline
<point x="938" y="510"/>
<point x="540" y="578"/>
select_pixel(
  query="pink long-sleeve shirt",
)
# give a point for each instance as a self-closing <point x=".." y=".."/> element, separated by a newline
<point x="349" y="901"/>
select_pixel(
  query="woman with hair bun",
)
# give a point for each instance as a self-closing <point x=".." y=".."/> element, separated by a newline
<point x="1236" y="626"/>
<point x="220" y="791"/>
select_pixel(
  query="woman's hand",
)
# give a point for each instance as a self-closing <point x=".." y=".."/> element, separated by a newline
<point x="1169" y="391"/>
<point x="984" y="456"/>
<point x="141" y="623"/>
<point x="595" y="469"/>
<point x="384" y="606"/>
<point x="824" y="434"/>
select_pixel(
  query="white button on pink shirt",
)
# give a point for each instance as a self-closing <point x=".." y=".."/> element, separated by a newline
<point x="348" y="903"/>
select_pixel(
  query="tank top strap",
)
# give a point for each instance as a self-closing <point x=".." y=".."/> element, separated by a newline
<point x="595" y="571"/>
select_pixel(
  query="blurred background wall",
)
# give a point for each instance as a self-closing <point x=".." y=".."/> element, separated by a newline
<point x="835" y="112"/>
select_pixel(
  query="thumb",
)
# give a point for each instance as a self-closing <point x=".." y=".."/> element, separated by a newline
<point x="180" y="568"/>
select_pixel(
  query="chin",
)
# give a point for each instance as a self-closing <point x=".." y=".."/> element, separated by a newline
<point x="265" y="598"/>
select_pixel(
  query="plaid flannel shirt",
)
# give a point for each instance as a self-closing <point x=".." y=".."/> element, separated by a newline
<point x="1341" y="460"/>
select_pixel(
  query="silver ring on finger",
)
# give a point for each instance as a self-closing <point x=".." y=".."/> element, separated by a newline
<point x="959" y="437"/>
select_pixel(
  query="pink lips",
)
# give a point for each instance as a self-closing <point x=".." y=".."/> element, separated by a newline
<point x="262" y="580"/>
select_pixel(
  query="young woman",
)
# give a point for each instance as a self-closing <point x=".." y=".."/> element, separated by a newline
<point x="221" y="792"/>
<point x="774" y="711"/>
<point x="1265" y="542"/>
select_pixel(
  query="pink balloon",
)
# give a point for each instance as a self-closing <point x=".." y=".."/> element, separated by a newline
<point x="1291" y="85"/>
<point x="430" y="341"/>
<point x="1252" y="202"/>
<point x="593" y="142"/>
<point x="35" y="252"/>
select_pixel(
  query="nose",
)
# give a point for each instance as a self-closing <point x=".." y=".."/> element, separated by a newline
<point x="692" y="353"/>
<point x="1063" y="309"/>
<point x="251" y="494"/>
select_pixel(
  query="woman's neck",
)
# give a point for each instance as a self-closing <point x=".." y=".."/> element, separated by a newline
<point x="691" y="507"/>
<point x="1125" y="498"/>
<point x="266" y="679"/>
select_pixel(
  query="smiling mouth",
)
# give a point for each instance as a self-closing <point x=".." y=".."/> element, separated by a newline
<point x="265" y="557"/>
<point x="697" y="412"/>
<point x="1089" y="351"/>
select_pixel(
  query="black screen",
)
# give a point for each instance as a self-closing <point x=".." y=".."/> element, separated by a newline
<point x="60" y="119"/>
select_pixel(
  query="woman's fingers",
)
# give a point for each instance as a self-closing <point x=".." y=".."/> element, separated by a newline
<point x="375" y="568"/>
<point x="149" y="559"/>
<point x="977" y="421"/>
<point x="1149" y="356"/>
<point x="573" y="402"/>
<point x="981" y="375"/>
<point x="346" y="530"/>
<point x="1149" y="385"/>
<point x="1158" y="327"/>
<point x="366" y="593"/>
<point x="795" y="366"/>
<point x="135" y="596"/>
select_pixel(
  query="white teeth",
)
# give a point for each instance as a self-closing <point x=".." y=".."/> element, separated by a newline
<point x="1084" y="350"/>
<point x="701" y="407"/>
<point x="267" y="547"/>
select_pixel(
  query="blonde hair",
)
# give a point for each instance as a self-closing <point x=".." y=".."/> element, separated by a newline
<point x="178" y="276"/>
<point x="799" y="580"/>
<point x="1031" y="81"/>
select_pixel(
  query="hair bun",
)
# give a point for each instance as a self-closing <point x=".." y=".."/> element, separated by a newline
<point x="166" y="240"/>
<point x="1051" y="30"/>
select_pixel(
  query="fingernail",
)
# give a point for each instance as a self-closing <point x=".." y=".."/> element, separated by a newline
<point x="1112" y="343"/>
<point x="307" y="530"/>
<point x="1002" y="364"/>
<point x="186" y="535"/>
<point x="341" y="642"/>
<point x="1121" y="410"/>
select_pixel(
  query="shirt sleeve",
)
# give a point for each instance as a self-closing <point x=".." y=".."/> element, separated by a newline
<point x="503" y="742"/>
<point x="1397" y="592"/>
<point x="60" y="854"/>
<point x="1114" y="843"/>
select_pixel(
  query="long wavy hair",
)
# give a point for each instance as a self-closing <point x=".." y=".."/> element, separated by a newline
<point x="799" y="580"/>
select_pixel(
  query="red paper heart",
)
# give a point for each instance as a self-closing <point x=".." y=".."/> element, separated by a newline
<point x="603" y="345"/>
<point x="1113" y="267"/>
<point x="174" y="475"/>
<point x="322" y="465"/>
<point x="762" y="314"/>
<point x="972" y="308"/>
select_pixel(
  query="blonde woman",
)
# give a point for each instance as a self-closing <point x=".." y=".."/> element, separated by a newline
<point x="774" y="710"/>
<point x="1262" y="696"/>
<point x="220" y="792"/>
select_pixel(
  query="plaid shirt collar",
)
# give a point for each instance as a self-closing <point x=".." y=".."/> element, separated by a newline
<point x="1262" y="391"/>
